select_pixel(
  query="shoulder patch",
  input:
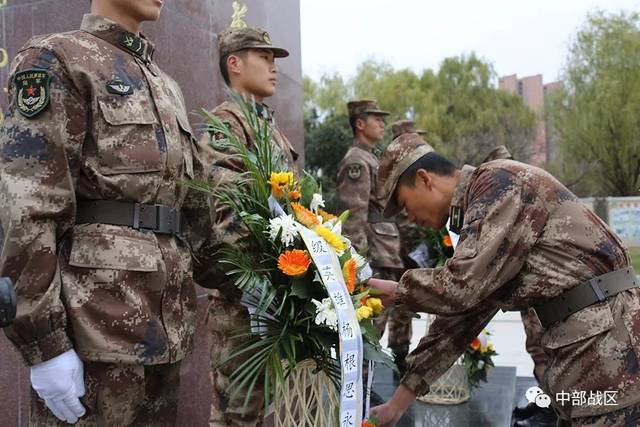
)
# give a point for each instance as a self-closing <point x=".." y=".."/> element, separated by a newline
<point x="354" y="171"/>
<point x="220" y="140"/>
<point x="32" y="91"/>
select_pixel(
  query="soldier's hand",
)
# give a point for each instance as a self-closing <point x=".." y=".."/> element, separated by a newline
<point x="384" y="289"/>
<point x="60" y="383"/>
<point x="386" y="414"/>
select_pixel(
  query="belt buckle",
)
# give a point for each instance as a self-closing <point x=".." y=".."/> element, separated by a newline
<point x="168" y="220"/>
<point x="136" y="216"/>
<point x="597" y="290"/>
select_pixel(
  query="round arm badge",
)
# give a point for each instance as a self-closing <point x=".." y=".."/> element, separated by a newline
<point x="354" y="171"/>
<point x="32" y="88"/>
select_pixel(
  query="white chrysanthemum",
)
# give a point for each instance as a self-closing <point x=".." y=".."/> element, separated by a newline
<point x="325" y="313"/>
<point x="316" y="202"/>
<point x="289" y="228"/>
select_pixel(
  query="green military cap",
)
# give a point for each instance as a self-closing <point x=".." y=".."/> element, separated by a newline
<point x="404" y="126"/>
<point x="234" y="39"/>
<point x="398" y="156"/>
<point x="364" y="106"/>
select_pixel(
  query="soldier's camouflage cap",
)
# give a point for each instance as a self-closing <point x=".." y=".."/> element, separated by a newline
<point x="397" y="158"/>
<point x="404" y="126"/>
<point x="364" y="106"/>
<point x="235" y="39"/>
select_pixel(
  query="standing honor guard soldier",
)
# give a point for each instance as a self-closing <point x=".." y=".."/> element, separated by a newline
<point x="525" y="241"/>
<point x="357" y="191"/>
<point x="94" y="147"/>
<point x="247" y="64"/>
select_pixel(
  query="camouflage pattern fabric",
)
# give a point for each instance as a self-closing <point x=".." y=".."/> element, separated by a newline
<point x="530" y="321"/>
<point x="526" y="239"/>
<point x="109" y="125"/>
<point x="357" y="191"/>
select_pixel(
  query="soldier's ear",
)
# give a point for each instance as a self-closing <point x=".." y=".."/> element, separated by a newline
<point x="361" y="123"/>
<point x="234" y="63"/>
<point x="424" y="179"/>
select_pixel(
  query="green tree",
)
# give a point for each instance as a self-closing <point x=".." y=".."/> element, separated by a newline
<point x="472" y="116"/>
<point x="596" y="115"/>
<point x="464" y="115"/>
<point x="326" y="143"/>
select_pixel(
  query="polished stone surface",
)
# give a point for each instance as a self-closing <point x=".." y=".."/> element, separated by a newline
<point x="490" y="404"/>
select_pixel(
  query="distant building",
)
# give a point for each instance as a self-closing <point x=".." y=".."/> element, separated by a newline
<point x="533" y="92"/>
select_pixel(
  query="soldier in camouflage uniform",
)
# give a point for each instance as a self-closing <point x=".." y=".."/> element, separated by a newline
<point x="94" y="147"/>
<point x="525" y="241"/>
<point x="247" y="64"/>
<point x="369" y="232"/>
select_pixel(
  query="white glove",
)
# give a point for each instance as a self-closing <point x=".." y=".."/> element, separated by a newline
<point x="60" y="382"/>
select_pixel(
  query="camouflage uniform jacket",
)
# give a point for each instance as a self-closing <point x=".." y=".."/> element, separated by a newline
<point x="358" y="191"/>
<point x="526" y="239"/>
<point x="115" y="128"/>
<point x="224" y="169"/>
<point x="231" y="114"/>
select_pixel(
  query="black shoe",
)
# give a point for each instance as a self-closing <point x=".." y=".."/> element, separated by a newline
<point x="524" y="410"/>
<point x="542" y="417"/>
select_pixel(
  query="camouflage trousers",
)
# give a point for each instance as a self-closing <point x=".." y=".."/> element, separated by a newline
<point x="121" y="395"/>
<point x="534" y="332"/>
<point x="399" y="318"/>
<point x="225" y="319"/>
<point x="626" y="417"/>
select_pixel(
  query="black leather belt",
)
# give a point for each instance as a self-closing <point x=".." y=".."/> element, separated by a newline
<point x="588" y="293"/>
<point x="156" y="218"/>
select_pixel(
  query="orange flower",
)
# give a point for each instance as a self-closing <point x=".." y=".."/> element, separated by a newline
<point x="446" y="240"/>
<point x="367" y="423"/>
<point x="304" y="215"/>
<point x="349" y="272"/>
<point x="475" y="344"/>
<point x="326" y="216"/>
<point x="294" y="263"/>
<point x="294" y="195"/>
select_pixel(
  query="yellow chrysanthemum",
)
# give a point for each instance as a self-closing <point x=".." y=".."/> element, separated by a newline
<point x="349" y="271"/>
<point x="332" y="239"/>
<point x="364" y="312"/>
<point x="304" y="215"/>
<point x="375" y="304"/>
<point x="294" y="263"/>
<point x="487" y="348"/>
<point x="326" y="216"/>
<point x="280" y="183"/>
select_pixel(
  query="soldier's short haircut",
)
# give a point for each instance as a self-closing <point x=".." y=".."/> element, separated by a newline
<point x="223" y="64"/>
<point x="354" y="119"/>
<point x="431" y="162"/>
